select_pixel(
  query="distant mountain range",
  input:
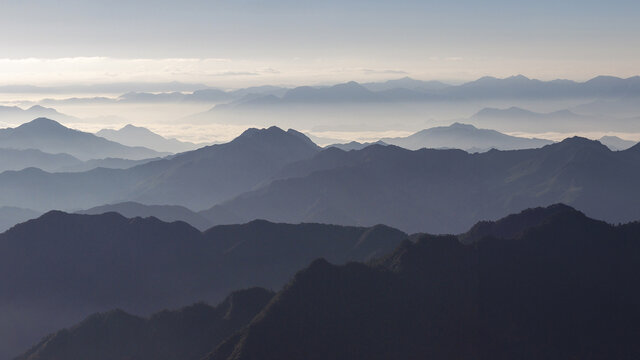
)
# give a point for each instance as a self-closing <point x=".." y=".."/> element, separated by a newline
<point x="466" y="137"/>
<point x="443" y="191"/>
<point x="283" y="176"/>
<point x="59" y="268"/>
<point x="544" y="283"/>
<point x="51" y="137"/>
<point x="131" y="135"/>
<point x="522" y="120"/>
<point x="486" y="88"/>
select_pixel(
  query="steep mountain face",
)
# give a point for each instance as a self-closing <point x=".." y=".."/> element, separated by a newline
<point x="51" y="137"/>
<point x="444" y="191"/>
<point x="166" y="213"/>
<point x="196" y="179"/>
<point x="59" y="268"/>
<point x="560" y="289"/>
<point x="465" y="137"/>
<point x="138" y="136"/>
<point x="185" y="334"/>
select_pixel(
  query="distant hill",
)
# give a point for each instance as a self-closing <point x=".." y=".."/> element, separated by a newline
<point x="185" y="334"/>
<point x="444" y="191"/>
<point x="196" y="179"/>
<point x="167" y="213"/>
<point x="10" y="216"/>
<point x="615" y="143"/>
<point x="18" y="115"/>
<point x="59" y="268"/>
<point x="348" y="92"/>
<point x="138" y="136"/>
<point x="51" y="137"/>
<point x="560" y="289"/>
<point x="354" y="145"/>
<point x="465" y="137"/>
<point x="11" y="159"/>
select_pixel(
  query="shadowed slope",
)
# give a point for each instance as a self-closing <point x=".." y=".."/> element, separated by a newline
<point x="559" y="290"/>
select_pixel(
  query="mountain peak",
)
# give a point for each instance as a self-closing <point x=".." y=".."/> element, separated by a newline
<point x="459" y="125"/>
<point x="579" y="140"/>
<point x="518" y="77"/>
<point x="253" y="132"/>
<point x="42" y="123"/>
<point x="512" y="226"/>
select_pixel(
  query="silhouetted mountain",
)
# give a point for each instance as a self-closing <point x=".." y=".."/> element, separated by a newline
<point x="465" y="137"/>
<point x="138" y="136"/>
<point x="445" y="191"/>
<point x="196" y="179"/>
<point x="615" y="143"/>
<point x="167" y="213"/>
<point x="51" y="137"/>
<point x="559" y="290"/>
<point x="185" y="334"/>
<point x="10" y="216"/>
<point x="59" y="268"/>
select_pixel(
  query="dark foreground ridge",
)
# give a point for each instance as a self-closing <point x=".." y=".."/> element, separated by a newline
<point x="547" y="283"/>
<point x="59" y="268"/>
<point x="563" y="289"/>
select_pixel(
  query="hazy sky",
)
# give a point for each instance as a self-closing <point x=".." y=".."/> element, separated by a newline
<point x="233" y="43"/>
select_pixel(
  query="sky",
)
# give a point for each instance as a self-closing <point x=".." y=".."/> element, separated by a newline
<point x="236" y="43"/>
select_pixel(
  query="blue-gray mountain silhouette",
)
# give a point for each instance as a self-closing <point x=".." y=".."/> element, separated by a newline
<point x="131" y="135"/>
<point x="12" y="159"/>
<point x="195" y="179"/>
<point x="167" y="213"/>
<point x="51" y="137"/>
<point x="445" y="191"/>
<point x="466" y="137"/>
